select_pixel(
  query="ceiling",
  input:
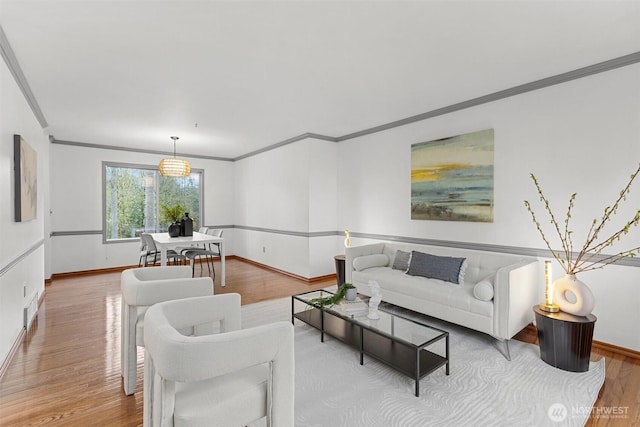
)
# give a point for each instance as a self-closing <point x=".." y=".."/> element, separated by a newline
<point x="233" y="77"/>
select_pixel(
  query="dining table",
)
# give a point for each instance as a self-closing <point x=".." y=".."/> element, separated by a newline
<point x="163" y="241"/>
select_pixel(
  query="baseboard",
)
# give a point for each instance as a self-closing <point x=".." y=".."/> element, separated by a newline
<point x="20" y="339"/>
<point x="286" y="273"/>
<point x="228" y="257"/>
<point x="101" y="271"/>
<point x="80" y="273"/>
<point x="12" y="352"/>
<point x="617" y="349"/>
<point x="623" y="351"/>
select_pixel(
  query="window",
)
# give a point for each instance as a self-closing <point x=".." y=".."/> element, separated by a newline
<point x="136" y="199"/>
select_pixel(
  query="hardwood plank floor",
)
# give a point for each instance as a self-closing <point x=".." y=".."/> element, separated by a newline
<point x="67" y="371"/>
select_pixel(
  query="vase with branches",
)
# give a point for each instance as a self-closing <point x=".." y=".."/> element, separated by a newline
<point x="590" y="256"/>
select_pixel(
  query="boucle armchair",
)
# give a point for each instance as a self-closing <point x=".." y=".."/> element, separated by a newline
<point x="222" y="375"/>
<point x="141" y="288"/>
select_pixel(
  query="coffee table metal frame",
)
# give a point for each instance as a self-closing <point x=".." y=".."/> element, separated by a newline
<point x="395" y="340"/>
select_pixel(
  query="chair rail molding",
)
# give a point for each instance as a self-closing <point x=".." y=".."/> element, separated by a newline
<point x="8" y="266"/>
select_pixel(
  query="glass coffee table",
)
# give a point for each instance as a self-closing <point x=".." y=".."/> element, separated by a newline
<point x="397" y="341"/>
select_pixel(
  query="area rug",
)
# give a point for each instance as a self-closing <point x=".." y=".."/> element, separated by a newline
<point x="483" y="388"/>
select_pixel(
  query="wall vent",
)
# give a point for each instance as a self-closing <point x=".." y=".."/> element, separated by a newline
<point x="30" y="310"/>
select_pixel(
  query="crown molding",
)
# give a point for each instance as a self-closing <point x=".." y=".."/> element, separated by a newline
<point x="601" y="67"/>
<point x="14" y="67"/>
<point x="287" y="142"/>
<point x="590" y="70"/>
<point x="53" y="140"/>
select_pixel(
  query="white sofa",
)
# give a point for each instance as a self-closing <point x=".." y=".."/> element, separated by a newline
<point x="496" y="295"/>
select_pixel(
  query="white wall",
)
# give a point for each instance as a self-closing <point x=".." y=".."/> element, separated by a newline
<point x="582" y="136"/>
<point x="22" y="245"/>
<point x="579" y="136"/>
<point x="291" y="189"/>
<point x="76" y="203"/>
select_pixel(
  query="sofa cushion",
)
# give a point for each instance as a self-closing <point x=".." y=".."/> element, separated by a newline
<point x="240" y="392"/>
<point x="445" y="268"/>
<point x="368" y="261"/>
<point x="458" y="297"/>
<point x="483" y="290"/>
<point x="401" y="260"/>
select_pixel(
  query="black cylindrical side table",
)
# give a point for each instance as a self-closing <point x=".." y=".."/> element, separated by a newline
<point x="340" y="268"/>
<point x="565" y="339"/>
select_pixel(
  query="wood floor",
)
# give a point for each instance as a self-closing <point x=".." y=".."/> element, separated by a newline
<point x="67" y="371"/>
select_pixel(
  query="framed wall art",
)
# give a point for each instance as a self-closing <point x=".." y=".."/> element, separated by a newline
<point x="26" y="180"/>
<point x="452" y="178"/>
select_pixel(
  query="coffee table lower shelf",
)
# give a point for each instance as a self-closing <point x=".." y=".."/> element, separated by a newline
<point x="414" y="362"/>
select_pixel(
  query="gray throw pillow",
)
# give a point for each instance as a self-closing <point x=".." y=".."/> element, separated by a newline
<point x="401" y="261"/>
<point x="436" y="267"/>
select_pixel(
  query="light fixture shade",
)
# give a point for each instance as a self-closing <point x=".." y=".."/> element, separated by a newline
<point x="176" y="168"/>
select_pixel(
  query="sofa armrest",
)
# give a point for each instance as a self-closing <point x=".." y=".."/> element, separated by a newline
<point x="515" y="293"/>
<point x="356" y="251"/>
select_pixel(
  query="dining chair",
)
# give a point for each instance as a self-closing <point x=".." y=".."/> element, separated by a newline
<point x="218" y="233"/>
<point x="141" y="288"/>
<point x="208" y="253"/>
<point x="218" y="374"/>
<point x="180" y="249"/>
<point x="148" y="250"/>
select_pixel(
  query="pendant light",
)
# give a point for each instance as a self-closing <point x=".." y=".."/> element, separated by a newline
<point x="173" y="167"/>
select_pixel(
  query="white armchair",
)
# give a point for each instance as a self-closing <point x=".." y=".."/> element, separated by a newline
<point x="141" y="288"/>
<point x="230" y="378"/>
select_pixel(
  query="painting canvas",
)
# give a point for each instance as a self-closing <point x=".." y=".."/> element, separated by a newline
<point x="26" y="180"/>
<point x="452" y="178"/>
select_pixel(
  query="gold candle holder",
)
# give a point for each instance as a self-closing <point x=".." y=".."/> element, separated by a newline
<point x="548" y="304"/>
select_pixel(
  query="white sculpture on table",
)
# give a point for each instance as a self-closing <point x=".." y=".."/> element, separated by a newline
<point x="375" y="299"/>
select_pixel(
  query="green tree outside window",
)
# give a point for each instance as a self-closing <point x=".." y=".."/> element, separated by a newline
<point x="134" y="197"/>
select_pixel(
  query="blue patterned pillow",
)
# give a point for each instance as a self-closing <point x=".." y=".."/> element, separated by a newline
<point x="445" y="268"/>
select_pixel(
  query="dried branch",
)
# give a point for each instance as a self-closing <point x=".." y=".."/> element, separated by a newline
<point x="592" y="247"/>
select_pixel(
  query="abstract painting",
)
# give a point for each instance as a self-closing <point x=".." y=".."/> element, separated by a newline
<point x="452" y="178"/>
<point x="26" y="180"/>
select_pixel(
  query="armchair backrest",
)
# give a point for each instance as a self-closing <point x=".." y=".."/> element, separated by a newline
<point x="161" y="273"/>
<point x="149" y="285"/>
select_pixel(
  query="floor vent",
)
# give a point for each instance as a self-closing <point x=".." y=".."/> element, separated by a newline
<point x="30" y="310"/>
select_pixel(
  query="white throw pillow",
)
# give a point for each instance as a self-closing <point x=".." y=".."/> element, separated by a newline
<point x="368" y="261"/>
<point x="463" y="270"/>
<point x="483" y="290"/>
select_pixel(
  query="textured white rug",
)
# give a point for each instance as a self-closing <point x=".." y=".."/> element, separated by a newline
<point x="483" y="388"/>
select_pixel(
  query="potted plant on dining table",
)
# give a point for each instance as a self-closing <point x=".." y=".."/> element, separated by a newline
<point x="173" y="215"/>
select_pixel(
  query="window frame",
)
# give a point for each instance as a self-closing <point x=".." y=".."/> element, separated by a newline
<point x="138" y="166"/>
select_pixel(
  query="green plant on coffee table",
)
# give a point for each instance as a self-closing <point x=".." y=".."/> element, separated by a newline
<point x="332" y="299"/>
